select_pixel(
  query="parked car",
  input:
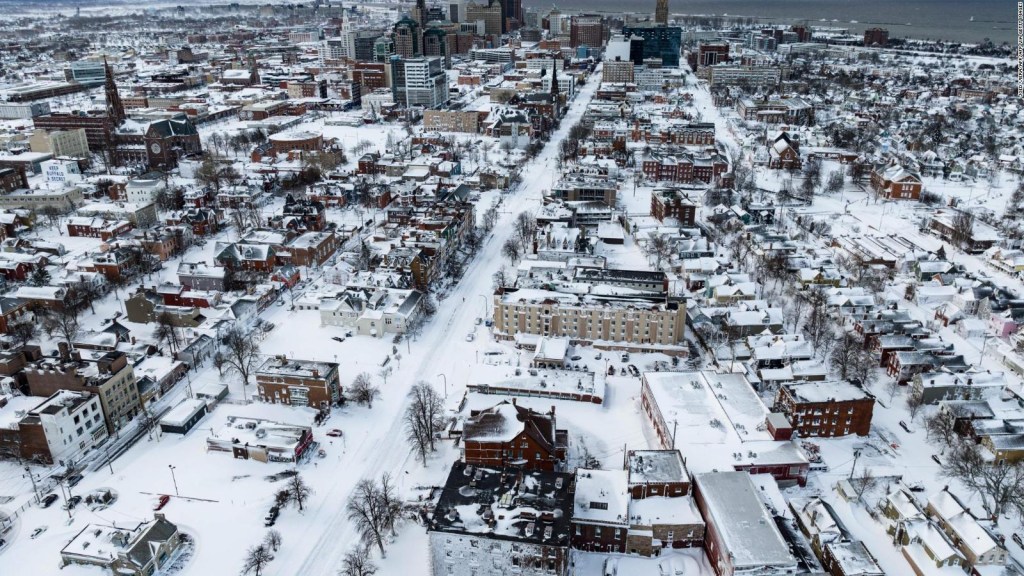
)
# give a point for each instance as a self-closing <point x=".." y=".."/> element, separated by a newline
<point x="338" y="338"/>
<point x="598" y="356"/>
<point x="576" y="358"/>
<point x="1016" y="538"/>
<point x="2" y="542"/>
<point x="470" y="337"/>
<point x="164" y="499"/>
<point x="625" y="356"/>
<point x="49" y="500"/>
<point x="478" y="321"/>
<point x="74" y="479"/>
<point x="906" y="427"/>
<point x="937" y="460"/>
<point x="72" y="502"/>
<point x="37" y="532"/>
<point x="335" y="433"/>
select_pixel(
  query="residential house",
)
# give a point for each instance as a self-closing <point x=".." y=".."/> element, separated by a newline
<point x="142" y="550"/>
<point x="510" y="436"/>
<point x="600" y="518"/>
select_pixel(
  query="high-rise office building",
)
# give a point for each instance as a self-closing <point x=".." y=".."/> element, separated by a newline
<point x="406" y="36"/>
<point x="419" y="82"/>
<point x="490" y="13"/>
<point x="586" y="31"/>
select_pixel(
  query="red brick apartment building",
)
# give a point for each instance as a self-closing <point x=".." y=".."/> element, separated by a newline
<point x="298" y="382"/>
<point x="826" y="409"/>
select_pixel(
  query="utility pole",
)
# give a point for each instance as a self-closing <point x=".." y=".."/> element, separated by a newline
<point x="31" y="477"/>
<point x="675" y="424"/>
<point x="856" y="455"/>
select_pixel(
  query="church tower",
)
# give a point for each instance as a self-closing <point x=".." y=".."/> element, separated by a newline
<point x="115" y="109"/>
<point x="661" y="13"/>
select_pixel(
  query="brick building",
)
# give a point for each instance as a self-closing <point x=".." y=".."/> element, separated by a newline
<point x="298" y="382"/>
<point x="826" y="409"/>
<point x="509" y="436"/>
<point x="674" y="203"/>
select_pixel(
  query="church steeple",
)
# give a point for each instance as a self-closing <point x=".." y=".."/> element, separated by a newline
<point x="115" y="109"/>
<point x="254" y="71"/>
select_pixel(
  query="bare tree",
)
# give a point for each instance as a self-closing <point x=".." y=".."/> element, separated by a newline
<point x="845" y="355"/>
<point x="963" y="228"/>
<point x="659" y="247"/>
<point x="23" y="332"/>
<point x="256" y="559"/>
<point x="524" y="228"/>
<point x="365" y="511"/>
<point x="914" y="401"/>
<point x="820" y="327"/>
<point x="242" y="353"/>
<point x="166" y="331"/>
<point x="941" y="426"/>
<point x="363" y="391"/>
<point x="272" y="540"/>
<point x="63" y="322"/>
<point x="298" y="491"/>
<point x="490" y="218"/>
<point x="511" y="250"/>
<point x="424" y="418"/>
<point x="1000" y="483"/>
<point x="357" y="563"/>
<point x="501" y="277"/>
<point x="863" y="483"/>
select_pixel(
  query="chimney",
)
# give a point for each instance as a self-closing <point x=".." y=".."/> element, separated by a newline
<point x="64" y="350"/>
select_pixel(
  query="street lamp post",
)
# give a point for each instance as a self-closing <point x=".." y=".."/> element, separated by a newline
<point x="173" y="479"/>
<point x="445" y="384"/>
<point x="485" y="304"/>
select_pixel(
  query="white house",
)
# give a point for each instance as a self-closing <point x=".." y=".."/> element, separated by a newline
<point x="145" y="188"/>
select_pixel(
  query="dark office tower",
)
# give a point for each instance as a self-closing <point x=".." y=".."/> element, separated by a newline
<point x="659" y="42"/>
<point x="115" y="109"/>
<point x="511" y="15"/>
<point x="636" y="50"/>
<point x="407" y="38"/>
<point x="661" y="13"/>
<point x="419" y="13"/>
<point x="435" y="43"/>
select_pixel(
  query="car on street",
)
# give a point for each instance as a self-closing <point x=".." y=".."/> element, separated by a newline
<point x="338" y="338"/>
<point x="74" y="479"/>
<point x="598" y="356"/>
<point x="478" y="321"/>
<point x="164" y="499"/>
<point x="1016" y="538"/>
<point x="2" y="542"/>
<point x="49" y="500"/>
<point x="70" y="504"/>
<point x="470" y="337"/>
<point x="335" y="433"/>
<point x="37" y="532"/>
<point x="906" y="427"/>
<point x="625" y="356"/>
<point x="576" y="358"/>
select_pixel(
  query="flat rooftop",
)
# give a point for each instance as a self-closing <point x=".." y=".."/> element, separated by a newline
<point x="742" y="521"/>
